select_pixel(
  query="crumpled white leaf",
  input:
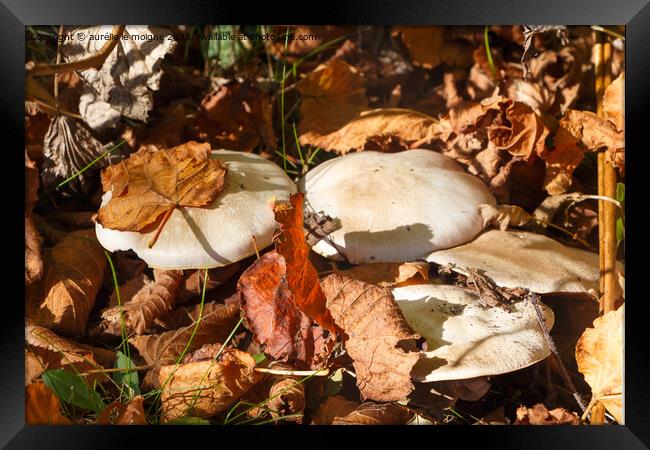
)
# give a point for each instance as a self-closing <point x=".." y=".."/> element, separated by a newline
<point x="125" y="83"/>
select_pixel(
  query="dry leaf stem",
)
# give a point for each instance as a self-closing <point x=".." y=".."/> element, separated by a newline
<point x="95" y="60"/>
<point x="609" y="287"/>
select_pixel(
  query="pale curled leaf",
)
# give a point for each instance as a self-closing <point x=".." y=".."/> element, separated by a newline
<point x="205" y="388"/>
<point x="501" y="216"/>
<point x="150" y="183"/>
<point x="599" y="354"/>
<point x="379" y="341"/>
<point x="125" y="82"/>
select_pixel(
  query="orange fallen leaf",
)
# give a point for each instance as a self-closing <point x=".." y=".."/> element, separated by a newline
<point x="302" y="277"/>
<point x="599" y="354"/>
<point x="428" y="47"/>
<point x="379" y="341"/>
<point x="42" y="407"/>
<point x="272" y="314"/>
<point x="150" y="184"/>
<point x="332" y="95"/>
<point x="370" y="127"/>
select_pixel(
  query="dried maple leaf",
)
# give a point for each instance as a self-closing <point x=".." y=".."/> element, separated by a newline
<point x="389" y="274"/>
<point x="42" y="407"/>
<point x="332" y="95"/>
<point x="360" y="131"/>
<point x="118" y="413"/>
<point x="379" y="341"/>
<point x="272" y="314"/>
<point x="540" y="415"/>
<point x="599" y="354"/>
<point x="302" y="278"/>
<point x="125" y="82"/>
<point x="236" y="116"/>
<point x="149" y="303"/>
<point x="68" y="148"/>
<point x="206" y="388"/>
<point x="214" y="325"/>
<point x="151" y="183"/>
<point x="74" y="271"/>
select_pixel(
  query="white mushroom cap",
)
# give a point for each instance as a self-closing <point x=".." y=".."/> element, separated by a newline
<point x="220" y="234"/>
<point x="465" y="340"/>
<point x="395" y="207"/>
<point x="527" y="260"/>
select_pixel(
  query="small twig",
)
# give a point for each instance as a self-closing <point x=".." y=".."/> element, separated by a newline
<point x="534" y="299"/>
<point x="94" y="60"/>
<point x="294" y="373"/>
<point x="119" y="369"/>
<point x="257" y="252"/>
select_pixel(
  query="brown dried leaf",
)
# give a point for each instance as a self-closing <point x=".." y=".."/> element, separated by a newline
<point x="614" y="102"/>
<point x="359" y="131"/>
<point x="297" y="48"/>
<point x="205" y="388"/>
<point x="33" y="258"/>
<point x="192" y="284"/>
<point x="302" y="278"/>
<point x="370" y="413"/>
<point x="428" y="47"/>
<point x="129" y="289"/>
<point x="540" y="415"/>
<point x="236" y="116"/>
<point x="42" y="407"/>
<point x="287" y="397"/>
<point x="561" y="160"/>
<point x="332" y="95"/>
<point x="333" y="408"/>
<point x="389" y="274"/>
<point x="379" y="341"/>
<point x="273" y="316"/>
<point x="599" y="354"/>
<point x="592" y="130"/>
<point x="31" y="184"/>
<point x="151" y="183"/>
<point x="118" y="413"/>
<point x="74" y="271"/>
<point x="502" y="216"/>
<point x="34" y="367"/>
<point x="214" y="325"/>
<point x="55" y="352"/>
<point x="318" y="226"/>
<point x="69" y="147"/>
<point x="149" y="303"/>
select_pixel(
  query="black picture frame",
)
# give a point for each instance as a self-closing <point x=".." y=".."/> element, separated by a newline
<point x="635" y="14"/>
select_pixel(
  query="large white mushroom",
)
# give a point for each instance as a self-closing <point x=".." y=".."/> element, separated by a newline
<point x="527" y="260"/>
<point x="221" y="233"/>
<point x="395" y="207"/>
<point x="466" y="340"/>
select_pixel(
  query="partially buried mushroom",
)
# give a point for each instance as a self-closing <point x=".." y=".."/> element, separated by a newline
<point x="527" y="260"/>
<point x="395" y="207"/>
<point x="240" y="219"/>
<point x="466" y="340"/>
